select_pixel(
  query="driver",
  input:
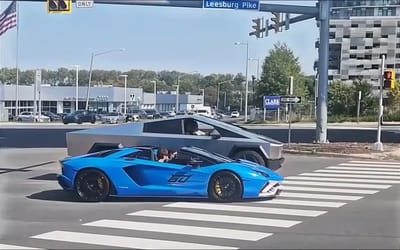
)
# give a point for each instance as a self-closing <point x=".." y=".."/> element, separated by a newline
<point x="164" y="156"/>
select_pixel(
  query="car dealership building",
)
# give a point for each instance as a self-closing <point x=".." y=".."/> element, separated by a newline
<point x="62" y="99"/>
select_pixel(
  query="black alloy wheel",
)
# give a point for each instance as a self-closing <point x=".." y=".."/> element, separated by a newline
<point x="225" y="186"/>
<point x="250" y="155"/>
<point x="92" y="185"/>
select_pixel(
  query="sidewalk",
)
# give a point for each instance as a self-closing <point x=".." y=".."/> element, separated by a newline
<point x="351" y="150"/>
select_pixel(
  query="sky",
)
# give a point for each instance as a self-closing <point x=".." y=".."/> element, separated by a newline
<point x="154" y="38"/>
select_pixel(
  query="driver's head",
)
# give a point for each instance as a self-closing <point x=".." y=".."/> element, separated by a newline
<point x="191" y="125"/>
<point x="161" y="153"/>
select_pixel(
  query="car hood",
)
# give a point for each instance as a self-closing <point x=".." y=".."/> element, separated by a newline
<point x="259" y="168"/>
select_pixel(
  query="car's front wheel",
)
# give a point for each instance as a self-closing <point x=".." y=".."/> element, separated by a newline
<point x="92" y="185"/>
<point x="250" y="155"/>
<point x="225" y="186"/>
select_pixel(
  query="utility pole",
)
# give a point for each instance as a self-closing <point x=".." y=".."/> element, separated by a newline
<point x="378" y="146"/>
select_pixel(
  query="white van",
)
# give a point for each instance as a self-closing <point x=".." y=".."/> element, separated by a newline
<point x="206" y="111"/>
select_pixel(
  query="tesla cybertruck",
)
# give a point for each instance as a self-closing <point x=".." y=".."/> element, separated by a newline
<point x="189" y="130"/>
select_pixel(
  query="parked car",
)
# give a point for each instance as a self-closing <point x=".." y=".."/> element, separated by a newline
<point x="79" y="117"/>
<point x="28" y="116"/>
<point x="235" y="114"/>
<point x="113" y="117"/>
<point x="199" y="131"/>
<point x="194" y="172"/>
<point x="53" y="117"/>
<point x="152" y="114"/>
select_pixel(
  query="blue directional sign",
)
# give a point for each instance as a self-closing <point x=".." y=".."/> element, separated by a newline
<point x="232" y="4"/>
<point x="272" y="101"/>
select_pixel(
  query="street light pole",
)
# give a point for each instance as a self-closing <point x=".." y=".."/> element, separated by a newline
<point x="247" y="80"/>
<point x="125" y="85"/>
<point x="91" y="69"/>
<point x="202" y="93"/>
<point x="77" y="88"/>
<point x="155" y="94"/>
<point x="219" y="84"/>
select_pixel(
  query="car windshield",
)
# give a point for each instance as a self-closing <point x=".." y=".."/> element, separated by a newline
<point x="113" y="114"/>
<point x="214" y="156"/>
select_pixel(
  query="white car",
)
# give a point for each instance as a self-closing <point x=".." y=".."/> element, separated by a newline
<point x="113" y="118"/>
<point x="27" y="116"/>
<point x="235" y="114"/>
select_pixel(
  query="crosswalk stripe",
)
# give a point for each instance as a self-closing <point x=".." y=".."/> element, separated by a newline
<point x="355" y="172"/>
<point x="361" y="168"/>
<point x="247" y="209"/>
<point x="180" y="229"/>
<point x="303" y="203"/>
<point x="320" y="196"/>
<point x="340" y="179"/>
<point x="217" y="218"/>
<point x="352" y="176"/>
<point x="122" y="241"/>
<point x="6" y="246"/>
<point x="336" y="184"/>
<point x="369" y="165"/>
<point x="377" y="162"/>
<point x="331" y="190"/>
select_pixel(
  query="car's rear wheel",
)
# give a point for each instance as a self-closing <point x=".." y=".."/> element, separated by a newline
<point x="225" y="186"/>
<point x="250" y="155"/>
<point x="92" y="185"/>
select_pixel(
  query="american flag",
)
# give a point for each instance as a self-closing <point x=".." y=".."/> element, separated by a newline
<point x="8" y="19"/>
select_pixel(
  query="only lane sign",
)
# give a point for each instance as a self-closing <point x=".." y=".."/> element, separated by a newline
<point x="290" y="99"/>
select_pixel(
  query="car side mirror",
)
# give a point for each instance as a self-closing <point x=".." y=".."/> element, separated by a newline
<point x="215" y="134"/>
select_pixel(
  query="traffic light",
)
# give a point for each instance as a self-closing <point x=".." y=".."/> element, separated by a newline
<point x="59" y="6"/>
<point x="389" y="79"/>
<point x="276" y="19"/>
<point x="257" y="27"/>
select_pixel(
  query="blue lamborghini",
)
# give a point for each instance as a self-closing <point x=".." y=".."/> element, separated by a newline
<point x="193" y="172"/>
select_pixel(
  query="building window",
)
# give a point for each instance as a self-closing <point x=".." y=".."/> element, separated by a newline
<point x="397" y="65"/>
<point x="398" y="45"/>
<point x="384" y="35"/>
<point x="332" y="35"/>
<point x="376" y="45"/>
<point x="377" y="25"/>
<point x="368" y="47"/>
<point x="375" y="66"/>
<point x="346" y="36"/>
<point x="398" y="35"/>
<point x="368" y="57"/>
<point x="353" y="47"/>
<point x="390" y="66"/>
<point x="369" y="34"/>
<point x="353" y="56"/>
<point x="397" y="55"/>
<point x="380" y="56"/>
<point x="360" y="66"/>
<point x="333" y="26"/>
<point x="354" y="25"/>
<point x="398" y="24"/>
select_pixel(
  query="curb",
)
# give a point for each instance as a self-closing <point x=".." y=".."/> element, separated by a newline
<point x="330" y="154"/>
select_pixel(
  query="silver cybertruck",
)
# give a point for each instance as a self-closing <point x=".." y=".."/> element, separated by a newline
<point x="173" y="133"/>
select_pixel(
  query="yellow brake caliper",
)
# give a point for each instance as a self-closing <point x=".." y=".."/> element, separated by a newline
<point x="218" y="187"/>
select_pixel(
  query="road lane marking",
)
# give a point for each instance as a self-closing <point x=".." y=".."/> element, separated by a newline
<point x="6" y="246"/>
<point x="368" y="169"/>
<point x="369" y="165"/>
<point x="180" y="229"/>
<point x="217" y="218"/>
<point x="374" y="162"/>
<point x="320" y="196"/>
<point x="303" y="203"/>
<point x="122" y="241"/>
<point x="355" y="172"/>
<point x="352" y="176"/>
<point x="340" y="179"/>
<point x="246" y="209"/>
<point x="330" y="190"/>
<point x="336" y="184"/>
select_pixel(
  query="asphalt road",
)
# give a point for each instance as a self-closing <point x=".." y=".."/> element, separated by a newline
<point x="34" y="136"/>
<point x="360" y="213"/>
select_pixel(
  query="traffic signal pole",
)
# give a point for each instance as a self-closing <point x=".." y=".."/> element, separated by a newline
<point x="322" y="105"/>
<point x="378" y="146"/>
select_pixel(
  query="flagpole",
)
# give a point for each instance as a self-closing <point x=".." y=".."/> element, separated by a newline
<point x="16" y="65"/>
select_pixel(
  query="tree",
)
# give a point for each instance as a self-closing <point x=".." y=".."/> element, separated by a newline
<point x="277" y="68"/>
